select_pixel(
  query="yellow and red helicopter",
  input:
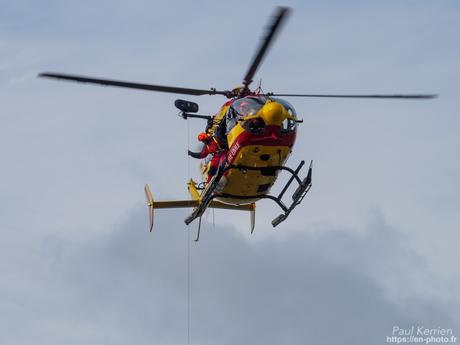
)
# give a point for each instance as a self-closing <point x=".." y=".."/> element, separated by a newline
<point x="258" y="132"/>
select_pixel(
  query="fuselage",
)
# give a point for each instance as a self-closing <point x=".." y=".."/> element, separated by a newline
<point x="260" y="133"/>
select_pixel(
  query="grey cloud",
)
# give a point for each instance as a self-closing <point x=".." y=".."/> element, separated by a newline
<point x="130" y="287"/>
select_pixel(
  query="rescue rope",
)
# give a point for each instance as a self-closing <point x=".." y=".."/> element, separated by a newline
<point x="188" y="148"/>
<point x="188" y="289"/>
<point x="188" y="247"/>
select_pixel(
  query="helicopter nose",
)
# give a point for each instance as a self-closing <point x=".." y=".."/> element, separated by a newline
<point x="273" y="113"/>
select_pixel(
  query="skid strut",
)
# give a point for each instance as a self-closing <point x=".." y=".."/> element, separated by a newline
<point x="208" y="196"/>
<point x="297" y="196"/>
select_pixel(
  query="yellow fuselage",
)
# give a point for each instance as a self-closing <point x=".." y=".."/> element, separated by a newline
<point x="269" y="148"/>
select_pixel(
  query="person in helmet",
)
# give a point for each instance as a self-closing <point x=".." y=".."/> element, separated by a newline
<point x="210" y="146"/>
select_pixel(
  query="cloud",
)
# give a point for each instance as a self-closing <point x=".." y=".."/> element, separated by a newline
<point x="130" y="287"/>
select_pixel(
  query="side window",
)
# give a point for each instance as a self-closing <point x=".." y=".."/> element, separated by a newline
<point x="231" y="120"/>
<point x="288" y="125"/>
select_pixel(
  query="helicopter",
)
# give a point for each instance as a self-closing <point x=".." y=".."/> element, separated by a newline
<point x="256" y="132"/>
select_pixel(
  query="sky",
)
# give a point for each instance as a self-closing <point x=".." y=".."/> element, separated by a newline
<point x="374" y="244"/>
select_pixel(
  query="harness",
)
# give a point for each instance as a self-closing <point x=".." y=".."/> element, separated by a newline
<point x="219" y="148"/>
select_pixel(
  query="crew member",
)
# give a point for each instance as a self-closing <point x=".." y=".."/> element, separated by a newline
<point x="211" y="146"/>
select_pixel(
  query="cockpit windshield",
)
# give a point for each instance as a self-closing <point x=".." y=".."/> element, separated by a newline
<point x="247" y="106"/>
<point x="242" y="108"/>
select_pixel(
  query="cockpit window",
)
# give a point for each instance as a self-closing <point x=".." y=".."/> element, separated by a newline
<point x="288" y="125"/>
<point x="247" y="106"/>
<point x="242" y="108"/>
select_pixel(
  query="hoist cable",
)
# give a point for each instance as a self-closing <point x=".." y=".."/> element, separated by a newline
<point x="188" y="247"/>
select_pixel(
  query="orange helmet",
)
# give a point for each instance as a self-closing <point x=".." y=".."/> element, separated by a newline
<point x="203" y="136"/>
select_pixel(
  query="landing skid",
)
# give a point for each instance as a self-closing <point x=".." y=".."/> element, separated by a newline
<point x="207" y="201"/>
<point x="297" y="197"/>
<point x="207" y="196"/>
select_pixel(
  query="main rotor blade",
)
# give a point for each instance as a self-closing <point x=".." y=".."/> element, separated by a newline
<point x="149" y="87"/>
<point x="397" y="96"/>
<point x="266" y="41"/>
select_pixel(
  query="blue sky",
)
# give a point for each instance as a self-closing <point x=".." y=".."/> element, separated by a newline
<point x="383" y="208"/>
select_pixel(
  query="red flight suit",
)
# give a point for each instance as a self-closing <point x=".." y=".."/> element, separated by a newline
<point x="210" y="147"/>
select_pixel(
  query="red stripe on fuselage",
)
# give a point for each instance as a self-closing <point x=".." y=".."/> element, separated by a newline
<point x="272" y="136"/>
